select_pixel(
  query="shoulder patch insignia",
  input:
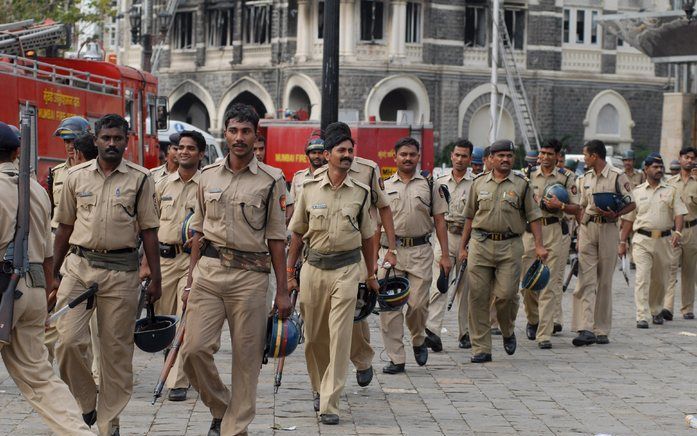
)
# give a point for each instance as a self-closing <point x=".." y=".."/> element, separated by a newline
<point x="573" y="189"/>
<point x="282" y="202"/>
<point x="381" y="183"/>
<point x="627" y="186"/>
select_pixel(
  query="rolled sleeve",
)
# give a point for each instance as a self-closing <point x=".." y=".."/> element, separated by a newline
<point x="471" y="205"/>
<point x="196" y="223"/>
<point x="440" y="204"/>
<point x="299" y="222"/>
<point x="367" y="223"/>
<point x="148" y="216"/>
<point x="625" y="187"/>
<point x="532" y="210"/>
<point x="66" y="212"/>
<point x="679" y="207"/>
<point x="276" y="225"/>
<point x="378" y="197"/>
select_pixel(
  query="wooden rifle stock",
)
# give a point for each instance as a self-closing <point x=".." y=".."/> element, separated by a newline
<point x="171" y="357"/>
<point x="17" y="254"/>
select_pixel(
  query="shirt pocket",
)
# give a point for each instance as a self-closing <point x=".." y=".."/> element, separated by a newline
<point x="167" y="209"/>
<point x="57" y="191"/>
<point x="252" y="211"/>
<point x="511" y="200"/>
<point x="319" y="220"/>
<point x="485" y="201"/>
<point x="349" y="217"/>
<point x="124" y="208"/>
<point x="214" y="207"/>
<point x="394" y="199"/>
<point x="422" y="202"/>
<point x="85" y="206"/>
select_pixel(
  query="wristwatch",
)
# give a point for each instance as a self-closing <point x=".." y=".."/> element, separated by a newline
<point x="393" y="251"/>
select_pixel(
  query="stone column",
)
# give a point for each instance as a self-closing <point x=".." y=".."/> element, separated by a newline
<point x="347" y="41"/>
<point x="678" y="123"/>
<point x="304" y="31"/>
<point x="398" y="28"/>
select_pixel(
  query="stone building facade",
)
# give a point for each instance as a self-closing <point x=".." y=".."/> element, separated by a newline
<point x="427" y="57"/>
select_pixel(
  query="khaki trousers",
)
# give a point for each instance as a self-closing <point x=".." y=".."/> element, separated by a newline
<point x="361" y="351"/>
<point x="217" y="294"/>
<point x="493" y="270"/>
<point x="392" y="322"/>
<point x="597" y="258"/>
<point x="437" y="302"/>
<point x="174" y="274"/>
<point x="92" y="350"/>
<point x="540" y="307"/>
<point x="327" y="304"/>
<point x="564" y="252"/>
<point x="116" y="303"/>
<point x="26" y="360"/>
<point x="652" y="258"/>
<point x="683" y="257"/>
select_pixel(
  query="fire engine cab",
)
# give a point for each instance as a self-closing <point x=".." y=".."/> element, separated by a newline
<point x="50" y="89"/>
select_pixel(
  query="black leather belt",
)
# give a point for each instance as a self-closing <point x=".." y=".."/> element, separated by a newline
<point x="655" y="234"/>
<point x="689" y="224"/>
<point x="170" y="251"/>
<point x="456" y="228"/>
<point x="407" y="242"/>
<point x="599" y="219"/>
<point x="210" y="251"/>
<point x="77" y="249"/>
<point x="498" y="236"/>
<point x="549" y="220"/>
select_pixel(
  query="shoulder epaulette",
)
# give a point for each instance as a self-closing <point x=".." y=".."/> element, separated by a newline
<point x="78" y="167"/>
<point x="273" y="172"/>
<point x="364" y="161"/>
<point x="357" y="183"/>
<point x="59" y="166"/>
<point x="213" y="165"/>
<point x="312" y="180"/>
<point x="521" y="175"/>
<point x="137" y="167"/>
<point x="617" y="170"/>
<point x="299" y="172"/>
<point x="480" y="174"/>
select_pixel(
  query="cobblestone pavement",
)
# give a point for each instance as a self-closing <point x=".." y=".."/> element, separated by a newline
<point x="639" y="384"/>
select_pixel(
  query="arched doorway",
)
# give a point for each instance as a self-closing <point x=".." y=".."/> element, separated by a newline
<point x="191" y="110"/>
<point x="609" y="119"/>
<point x="250" y="99"/>
<point x="298" y="100"/>
<point x="480" y="122"/>
<point x="396" y="100"/>
<point x="400" y="92"/>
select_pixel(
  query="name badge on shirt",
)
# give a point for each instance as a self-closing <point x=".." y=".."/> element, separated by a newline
<point x="166" y="198"/>
<point x="84" y="194"/>
<point x="319" y="206"/>
<point x="215" y="190"/>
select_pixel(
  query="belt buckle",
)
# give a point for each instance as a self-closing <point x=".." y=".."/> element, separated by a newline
<point x="407" y="242"/>
<point x="656" y="234"/>
<point x="496" y="236"/>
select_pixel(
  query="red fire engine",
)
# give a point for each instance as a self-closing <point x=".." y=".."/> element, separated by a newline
<point x="286" y="140"/>
<point x="51" y="89"/>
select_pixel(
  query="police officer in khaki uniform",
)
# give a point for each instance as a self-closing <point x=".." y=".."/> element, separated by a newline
<point x="635" y="177"/>
<point x="315" y="157"/>
<point x="332" y="219"/>
<point x="685" y="255"/>
<point x="418" y="205"/>
<point x="541" y="306"/>
<point x="176" y="199"/>
<point x="105" y="204"/>
<point x="499" y="204"/>
<point x="659" y="208"/>
<point x="25" y="357"/>
<point x="458" y="183"/>
<point x="598" y="238"/>
<point x="170" y="165"/>
<point x="240" y="221"/>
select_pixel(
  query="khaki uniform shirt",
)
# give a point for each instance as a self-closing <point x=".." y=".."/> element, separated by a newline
<point x="333" y="220"/>
<point x="609" y="180"/>
<point x="501" y="206"/>
<point x="414" y="204"/>
<point x="102" y="208"/>
<point x="366" y="172"/>
<point x="40" y="243"/>
<point x="636" y="178"/>
<point x="539" y="181"/>
<point x="175" y="198"/>
<point x="234" y="209"/>
<point x="459" y="191"/>
<point x="296" y="185"/>
<point x="60" y="172"/>
<point x="159" y="173"/>
<point x="655" y="207"/>
<point x="687" y="190"/>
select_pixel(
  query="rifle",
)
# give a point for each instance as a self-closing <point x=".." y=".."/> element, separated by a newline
<point x="142" y="297"/>
<point x="456" y="283"/>
<point x="282" y="360"/>
<point x="49" y="184"/>
<point x="87" y="295"/>
<point x="171" y="357"/>
<point x="16" y="257"/>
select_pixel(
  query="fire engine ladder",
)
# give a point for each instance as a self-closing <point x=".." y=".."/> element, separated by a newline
<point x="172" y="6"/>
<point x="16" y="38"/>
<point x="515" y="85"/>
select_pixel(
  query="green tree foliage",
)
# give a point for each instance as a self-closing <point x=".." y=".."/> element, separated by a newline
<point x="64" y="11"/>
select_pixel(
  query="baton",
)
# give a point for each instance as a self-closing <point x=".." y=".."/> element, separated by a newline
<point x="623" y="268"/>
<point x="456" y="282"/>
<point x="88" y="294"/>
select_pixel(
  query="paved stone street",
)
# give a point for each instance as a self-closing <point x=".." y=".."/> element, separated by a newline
<point x="639" y="384"/>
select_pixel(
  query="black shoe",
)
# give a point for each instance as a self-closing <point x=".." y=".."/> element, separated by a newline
<point x="657" y="319"/>
<point x="215" y="427"/>
<point x="116" y="432"/>
<point x="315" y="401"/>
<point x="481" y="358"/>
<point x="689" y="315"/>
<point x="544" y="345"/>
<point x="632" y="265"/>
<point x="177" y="394"/>
<point x="509" y="344"/>
<point x="393" y="368"/>
<point x="643" y="324"/>
<point x="90" y="418"/>
<point x="465" y="341"/>
<point x="496" y="331"/>
<point x="421" y="354"/>
<point x="584" y="338"/>
<point x="602" y="340"/>
<point x="666" y="314"/>
<point x="557" y="328"/>
<point x="433" y="341"/>
<point x="329" y="419"/>
<point x="364" y="376"/>
<point x="531" y="331"/>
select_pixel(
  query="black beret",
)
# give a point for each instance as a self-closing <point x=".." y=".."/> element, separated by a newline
<point x="8" y="139"/>
<point x="502" y="145"/>
<point x="335" y="134"/>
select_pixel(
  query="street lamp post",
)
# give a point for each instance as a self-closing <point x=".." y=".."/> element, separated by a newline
<point x="144" y="36"/>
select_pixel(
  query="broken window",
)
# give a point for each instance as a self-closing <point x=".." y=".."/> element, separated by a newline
<point x="515" y="23"/>
<point x="413" y="22"/>
<point x="257" y="23"/>
<point x="220" y="26"/>
<point x="372" y="17"/>
<point x="183" y="31"/>
<point x="475" y="26"/>
<point x="581" y="26"/>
